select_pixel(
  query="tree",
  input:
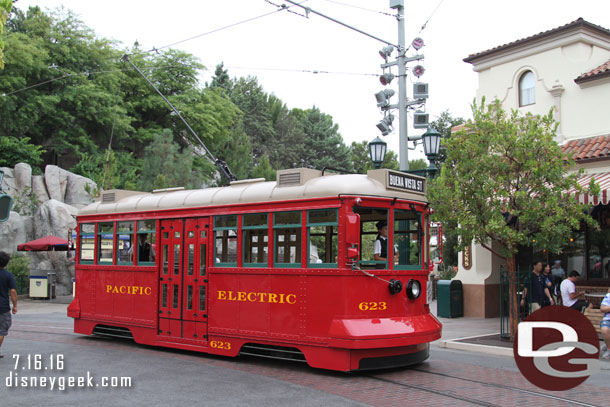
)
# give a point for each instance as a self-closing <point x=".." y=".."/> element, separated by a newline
<point x="221" y="78"/>
<point x="508" y="186"/>
<point x="443" y="124"/>
<point x="5" y="9"/>
<point x="165" y="166"/>
<point x="324" y="145"/>
<point x="15" y="150"/>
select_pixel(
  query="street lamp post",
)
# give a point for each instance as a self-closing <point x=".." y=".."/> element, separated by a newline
<point x="432" y="144"/>
<point x="377" y="150"/>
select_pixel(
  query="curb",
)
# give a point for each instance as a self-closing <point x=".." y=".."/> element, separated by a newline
<point x="472" y="347"/>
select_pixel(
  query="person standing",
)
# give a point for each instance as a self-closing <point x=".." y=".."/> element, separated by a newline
<point x="8" y="288"/>
<point x="569" y="296"/>
<point x="380" y="247"/>
<point x="537" y="288"/>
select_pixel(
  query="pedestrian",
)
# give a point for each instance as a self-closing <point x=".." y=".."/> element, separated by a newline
<point x="557" y="271"/>
<point x="536" y="287"/>
<point x="605" y="325"/>
<point x="8" y="288"/>
<point x="548" y="282"/>
<point x="569" y="295"/>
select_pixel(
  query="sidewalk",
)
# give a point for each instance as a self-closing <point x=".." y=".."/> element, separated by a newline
<point x="480" y="335"/>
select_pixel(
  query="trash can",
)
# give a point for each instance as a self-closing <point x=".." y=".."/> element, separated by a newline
<point x="450" y="299"/>
<point x="39" y="286"/>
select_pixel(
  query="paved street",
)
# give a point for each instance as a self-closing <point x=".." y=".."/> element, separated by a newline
<point x="162" y="376"/>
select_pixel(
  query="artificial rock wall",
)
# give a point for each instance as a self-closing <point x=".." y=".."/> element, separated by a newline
<point x="44" y="205"/>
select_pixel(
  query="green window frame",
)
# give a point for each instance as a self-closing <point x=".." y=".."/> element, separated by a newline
<point x="408" y="239"/>
<point x="287" y="228"/>
<point x="225" y="240"/>
<point x="86" y="238"/>
<point x="125" y="231"/>
<point x="148" y="228"/>
<point x="322" y="237"/>
<point x="105" y="243"/>
<point x="255" y="239"/>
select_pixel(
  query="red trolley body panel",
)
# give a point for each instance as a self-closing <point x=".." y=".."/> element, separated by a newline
<point x="245" y="278"/>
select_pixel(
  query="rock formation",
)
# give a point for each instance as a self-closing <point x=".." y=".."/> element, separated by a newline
<point x="42" y="206"/>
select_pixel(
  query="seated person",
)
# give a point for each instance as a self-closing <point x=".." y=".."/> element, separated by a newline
<point x="145" y="251"/>
<point x="570" y="296"/>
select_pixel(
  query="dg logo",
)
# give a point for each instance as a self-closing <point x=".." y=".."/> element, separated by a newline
<point x="556" y="348"/>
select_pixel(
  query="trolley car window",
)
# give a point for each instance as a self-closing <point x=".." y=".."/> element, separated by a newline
<point x="408" y="237"/>
<point x="87" y="243"/>
<point x="105" y="239"/>
<point x="146" y="233"/>
<point x="202" y="258"/>
<point x="255" y="239"/>
<point x="370" y="219"/>
<point x="225" y="237"/>
<point x="287" y="230"/>
<point x="201" y="298"/>
<point x="191" y="260"/>
<point x="124" y="232"/>
<point x="323" y="238"/>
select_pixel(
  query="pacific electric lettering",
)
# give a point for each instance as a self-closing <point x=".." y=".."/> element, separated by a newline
<point x="405" y="182"/>
<point x="257" y="297"/>
<point x="128" y="289"/>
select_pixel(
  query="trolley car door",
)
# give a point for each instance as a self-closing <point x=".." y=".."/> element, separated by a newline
<point x="170" y="278"/>
<point x="194" y="311"/>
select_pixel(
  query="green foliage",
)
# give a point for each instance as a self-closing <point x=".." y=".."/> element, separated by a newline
<point x="264" y="170"/>
<point x="443" y="124"/>
<point x="508" y="183"/>
<point x="19" y="265"/>
<point x="26" y="203"/>
<point x="166" y="166"/>
<point x="5" y="9"/>
<point x="418" y="164"/>
<point x="15" y="150"/>
<point x="324" y="145"/>
<point x="75" y="99"/>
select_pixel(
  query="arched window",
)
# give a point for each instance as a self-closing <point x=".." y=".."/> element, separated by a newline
<point x="527" y="89"/>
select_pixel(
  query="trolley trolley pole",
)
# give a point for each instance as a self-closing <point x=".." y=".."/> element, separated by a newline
<point x="222" y="165"/>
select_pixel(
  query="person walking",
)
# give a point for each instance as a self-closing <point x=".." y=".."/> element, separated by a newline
<point x="8" y="288"/>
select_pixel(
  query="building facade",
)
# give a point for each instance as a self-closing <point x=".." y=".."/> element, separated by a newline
<point x="565" y="70"/>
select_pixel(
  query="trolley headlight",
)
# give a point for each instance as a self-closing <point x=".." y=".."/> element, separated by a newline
<point x="413" y="289"/>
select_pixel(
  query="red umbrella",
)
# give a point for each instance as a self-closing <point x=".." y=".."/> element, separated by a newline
<point x="48" y="243"/>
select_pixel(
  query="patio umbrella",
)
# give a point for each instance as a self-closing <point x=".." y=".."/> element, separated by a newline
<point x="44" y="244"/>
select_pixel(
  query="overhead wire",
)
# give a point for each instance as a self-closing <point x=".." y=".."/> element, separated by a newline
<point x="360" y="8"/>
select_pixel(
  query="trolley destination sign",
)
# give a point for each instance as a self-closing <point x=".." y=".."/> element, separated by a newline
<point x="405" y="182"/>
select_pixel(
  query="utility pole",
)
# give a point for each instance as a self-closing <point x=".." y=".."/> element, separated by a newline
<point x="403" y="150"/>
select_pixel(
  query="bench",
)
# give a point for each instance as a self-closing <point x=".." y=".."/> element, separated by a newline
<point x="595" y="316"/>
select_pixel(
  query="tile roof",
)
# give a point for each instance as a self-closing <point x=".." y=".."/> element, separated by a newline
<point x="588" y="149"/>
<point x="579" y="23"/>
<point x="601" y="71"/>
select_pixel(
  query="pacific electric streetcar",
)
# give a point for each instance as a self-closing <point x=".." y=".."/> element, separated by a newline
<point x="281" y="269"/>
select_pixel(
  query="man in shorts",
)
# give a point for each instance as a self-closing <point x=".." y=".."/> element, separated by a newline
<point x="569" y="295"/>
<point x="8" y="287"/>
<point x="605" y="325"/>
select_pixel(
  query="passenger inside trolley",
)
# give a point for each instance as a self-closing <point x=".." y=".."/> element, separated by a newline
<point x="146" y="252"/>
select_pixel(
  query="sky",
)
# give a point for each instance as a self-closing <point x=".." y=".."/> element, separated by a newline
<point x="283" y="49"/>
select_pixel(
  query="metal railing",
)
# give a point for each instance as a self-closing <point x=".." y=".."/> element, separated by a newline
<point x="506" y="300"/>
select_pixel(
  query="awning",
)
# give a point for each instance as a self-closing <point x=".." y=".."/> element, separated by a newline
<point x="48" y="243"/>
<point x="603" y="180"/>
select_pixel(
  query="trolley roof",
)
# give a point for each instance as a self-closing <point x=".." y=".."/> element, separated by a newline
<point x="291" y="184"/>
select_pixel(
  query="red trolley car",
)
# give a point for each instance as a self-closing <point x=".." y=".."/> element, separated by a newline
<point x="280" y="269"/>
